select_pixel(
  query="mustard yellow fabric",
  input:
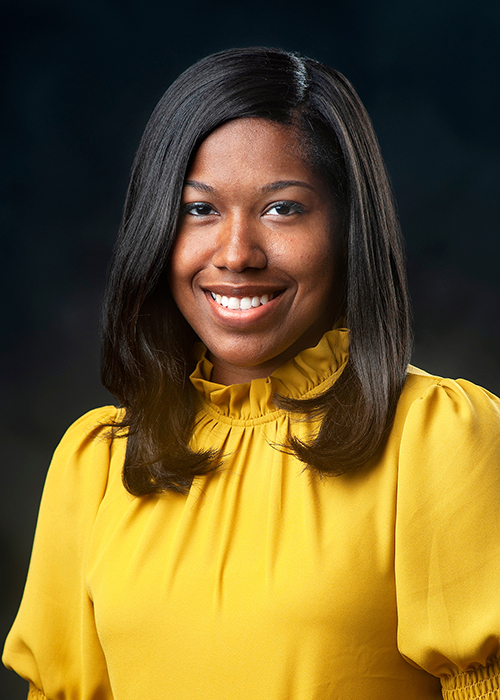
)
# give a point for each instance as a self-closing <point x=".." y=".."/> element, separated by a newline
<point x="34" y="693"/>
<point x="265" y="583"/>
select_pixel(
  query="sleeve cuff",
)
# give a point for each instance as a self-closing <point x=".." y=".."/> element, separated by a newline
<point x="35" y="694"/>
<point x="483" y="682"/>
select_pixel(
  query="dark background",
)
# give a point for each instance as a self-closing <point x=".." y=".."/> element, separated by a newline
<point x="79" y="80"/>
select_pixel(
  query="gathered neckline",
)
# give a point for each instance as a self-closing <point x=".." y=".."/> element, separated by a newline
<point x="309" y="373"/>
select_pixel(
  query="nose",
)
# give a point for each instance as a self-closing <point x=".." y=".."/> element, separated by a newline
<point x="240" y="245"/>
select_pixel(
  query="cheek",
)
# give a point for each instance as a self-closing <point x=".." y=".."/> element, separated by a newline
<point x="189" y="255"/>
<point x="316" y="264"/>
<point x="182" y="266"/>
<point x="178" y="280"/>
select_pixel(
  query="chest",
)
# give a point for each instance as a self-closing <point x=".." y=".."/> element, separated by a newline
<point x="251" y="543"/>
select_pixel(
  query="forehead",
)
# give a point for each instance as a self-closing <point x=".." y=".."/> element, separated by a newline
<point x="252" y="145"/>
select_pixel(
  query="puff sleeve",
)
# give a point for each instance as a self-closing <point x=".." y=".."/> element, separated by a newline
<point x="53" y="642"/>
<point x="447" y="547"/>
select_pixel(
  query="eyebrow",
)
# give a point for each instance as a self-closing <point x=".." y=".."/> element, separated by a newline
<point x="265" y="189"/>
<point x="200" y="186"/>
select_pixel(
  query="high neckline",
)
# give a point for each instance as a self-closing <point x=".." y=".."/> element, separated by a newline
<point x="307" y="374"/>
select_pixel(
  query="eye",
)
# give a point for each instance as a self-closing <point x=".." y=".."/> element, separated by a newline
<point x="285" y="208"/>
<point x="198" y="209"/>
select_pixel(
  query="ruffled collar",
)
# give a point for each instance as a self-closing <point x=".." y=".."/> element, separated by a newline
<point x="307" y="374"/>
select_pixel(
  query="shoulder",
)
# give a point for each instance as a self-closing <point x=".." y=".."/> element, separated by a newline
<point x="84" y="456"/>
<point x="452" y="423"/>
<point x="94" y="426"/>
<point x="438" y="396"/>
<point x="92" y="423"/>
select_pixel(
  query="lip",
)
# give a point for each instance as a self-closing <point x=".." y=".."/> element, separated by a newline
<point x="236" y="318"/>
<point x="247" y="290"/>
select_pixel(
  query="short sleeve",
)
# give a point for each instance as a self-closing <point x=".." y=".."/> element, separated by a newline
<point x="447" y="548"/>
<point x="53" y="642"/>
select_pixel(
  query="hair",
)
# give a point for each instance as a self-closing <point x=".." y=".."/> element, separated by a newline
<point x="146" y="341"/>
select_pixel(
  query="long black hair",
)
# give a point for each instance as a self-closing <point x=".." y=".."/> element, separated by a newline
<point x="146" y="342"/>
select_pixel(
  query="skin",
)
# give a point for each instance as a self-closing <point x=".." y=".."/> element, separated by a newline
<point x="255" y="220"/>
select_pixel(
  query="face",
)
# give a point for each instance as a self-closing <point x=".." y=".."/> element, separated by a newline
<point x="253" y="265"/>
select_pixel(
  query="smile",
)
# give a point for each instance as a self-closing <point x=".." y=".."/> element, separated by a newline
<point x="242" y="303"/>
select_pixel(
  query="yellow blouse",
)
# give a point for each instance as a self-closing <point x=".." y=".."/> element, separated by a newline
<point x="264" y="582"/>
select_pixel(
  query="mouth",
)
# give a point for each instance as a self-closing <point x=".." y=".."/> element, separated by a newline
<point x="243" y="303"/>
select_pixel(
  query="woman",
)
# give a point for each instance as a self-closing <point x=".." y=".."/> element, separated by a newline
<point x="187" y="546"/>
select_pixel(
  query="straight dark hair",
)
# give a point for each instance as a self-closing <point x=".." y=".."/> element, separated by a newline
<point x="147" y="343"/>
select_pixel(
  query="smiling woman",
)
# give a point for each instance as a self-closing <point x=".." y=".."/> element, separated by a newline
<point x="281" y="507"/>
<point x="313" y="115"/>
<point x="253" y="266"/>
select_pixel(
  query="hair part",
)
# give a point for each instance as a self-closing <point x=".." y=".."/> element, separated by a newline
<point x="146" y="341"/>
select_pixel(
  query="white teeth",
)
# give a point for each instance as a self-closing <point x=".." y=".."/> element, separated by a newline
<point x="243" y="303"/>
